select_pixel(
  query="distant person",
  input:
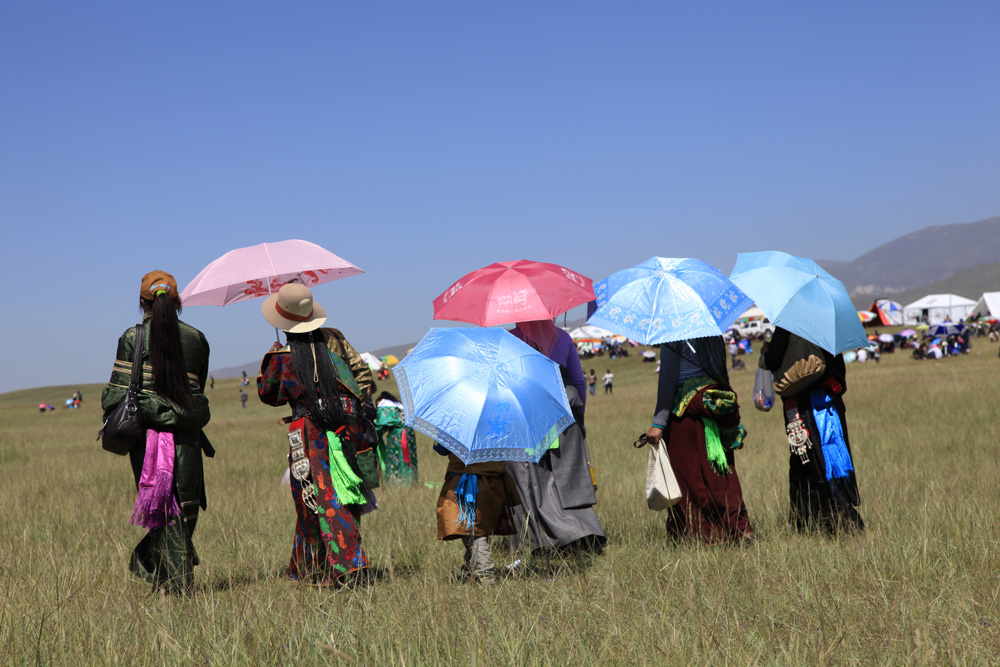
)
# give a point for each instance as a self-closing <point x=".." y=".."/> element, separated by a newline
<point x="697" y="417"/>
<point x="243" y="398"/>
<point x="823" y="488"/>
<point x="211" y="382"/>
<point x="325" y="382"/>
<point x="398" y="442"/>
<point x="592" y="382"/>
<point x="167" y="467"/>
<point x="608" y="380"/>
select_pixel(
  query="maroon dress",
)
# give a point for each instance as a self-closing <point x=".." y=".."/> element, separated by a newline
<point x="327" y="544"/>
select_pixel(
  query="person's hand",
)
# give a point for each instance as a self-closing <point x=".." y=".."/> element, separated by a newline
<point x="653" y="435"/>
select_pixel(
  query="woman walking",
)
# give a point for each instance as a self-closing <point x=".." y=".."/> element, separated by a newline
<point x="558" y="493"/>
<point x="398" y="447"/>
<point x="167" y="467"/>
<point x="823" y="490"/>
<point x="697" y="416"/>
<point x="476" y="501"/>
<point x="324" y="380"/>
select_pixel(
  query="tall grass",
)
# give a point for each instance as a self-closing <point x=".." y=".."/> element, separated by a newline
<point x="921" y="587"/>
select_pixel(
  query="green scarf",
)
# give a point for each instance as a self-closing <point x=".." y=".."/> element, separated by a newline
<point x="345" y="482"/>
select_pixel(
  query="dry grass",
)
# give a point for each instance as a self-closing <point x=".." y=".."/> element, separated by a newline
<point x="921" y="587"/>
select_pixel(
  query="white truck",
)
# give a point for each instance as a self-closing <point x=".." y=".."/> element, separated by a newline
<point x="758" y="328"/>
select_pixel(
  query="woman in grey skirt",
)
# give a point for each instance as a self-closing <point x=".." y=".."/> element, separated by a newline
<point x="558" y="494"/>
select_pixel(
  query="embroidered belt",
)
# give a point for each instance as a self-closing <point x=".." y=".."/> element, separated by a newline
<point x="300" y="468"/>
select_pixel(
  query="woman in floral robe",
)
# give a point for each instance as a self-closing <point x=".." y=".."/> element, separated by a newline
<point x="398" y="447"/>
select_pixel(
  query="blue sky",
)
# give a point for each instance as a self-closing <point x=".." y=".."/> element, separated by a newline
<point x="423" y="140"/>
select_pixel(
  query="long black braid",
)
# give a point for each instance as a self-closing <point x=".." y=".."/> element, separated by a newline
<point x="323" y="400"/>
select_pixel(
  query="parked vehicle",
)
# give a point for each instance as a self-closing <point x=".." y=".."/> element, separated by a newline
<point x="761" y="328"/>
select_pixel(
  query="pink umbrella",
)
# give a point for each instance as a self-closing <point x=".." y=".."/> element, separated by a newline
<point x="507" y="292"/>
<point x="256" y="271"/>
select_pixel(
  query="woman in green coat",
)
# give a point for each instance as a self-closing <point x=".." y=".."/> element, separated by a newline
<point x="167" y="467"/>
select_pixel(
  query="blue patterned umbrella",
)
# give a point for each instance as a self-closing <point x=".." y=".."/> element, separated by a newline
<point x="483" y="394"/>
<point x="663" y="300"/>
<point x="945" y="329"/>
<point x="798" y="295"/>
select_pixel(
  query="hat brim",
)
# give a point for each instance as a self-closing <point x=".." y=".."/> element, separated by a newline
<point x="270" y="313"/>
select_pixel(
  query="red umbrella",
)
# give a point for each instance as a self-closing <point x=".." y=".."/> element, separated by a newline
<point x="507" y="292"/>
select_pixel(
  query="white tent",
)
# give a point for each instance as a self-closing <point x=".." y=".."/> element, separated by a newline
<point x="751" y="313"/>
<point x="935" y="308"/>
<point x="988" y="305"/>
<point x="590" y="331"/>
<point x="373" y="362"/>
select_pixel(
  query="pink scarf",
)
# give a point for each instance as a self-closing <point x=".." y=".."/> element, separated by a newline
<point x="155" y="504"/>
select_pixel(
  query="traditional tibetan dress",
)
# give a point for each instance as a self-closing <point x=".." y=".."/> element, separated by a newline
<point x="327" y="540"/>
<point x="166" y="555"/>
<point x="822" y="486"/>
<point x="398" y="446"/>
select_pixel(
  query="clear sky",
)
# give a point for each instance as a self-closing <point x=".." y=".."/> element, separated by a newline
<point x="422" y="140"/>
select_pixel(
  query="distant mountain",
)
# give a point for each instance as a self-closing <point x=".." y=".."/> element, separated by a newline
<point x="921" y="258"/>
<point x="970" y="283"/>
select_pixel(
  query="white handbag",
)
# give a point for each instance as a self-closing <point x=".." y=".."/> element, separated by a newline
<point x="662" y="489"/>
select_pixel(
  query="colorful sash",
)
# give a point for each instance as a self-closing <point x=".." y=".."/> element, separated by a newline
<point x="155" y="503"/>
<point x="831" y="436"/>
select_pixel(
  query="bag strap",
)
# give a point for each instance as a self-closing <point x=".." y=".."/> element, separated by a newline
<point x="135" y="383"/>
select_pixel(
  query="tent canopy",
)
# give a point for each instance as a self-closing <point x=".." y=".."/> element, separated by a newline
<point x="590" y="332"/>
<point x="373" y="362"/>
<point x="751" y="313"/>
<point x="988" y="305"/>
<point x="887" y="313"/>
<point x="935" y="308"/>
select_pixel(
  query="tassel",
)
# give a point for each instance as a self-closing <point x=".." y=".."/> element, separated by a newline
<point x="713" y="446"/>
<point x="346" y="484"/>
<point x="831" y="435"/>
<point x="466" y="491"/>
<point x="406" y="448"/>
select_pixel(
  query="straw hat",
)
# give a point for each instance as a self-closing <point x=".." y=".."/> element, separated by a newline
<point x="293" y="310"/>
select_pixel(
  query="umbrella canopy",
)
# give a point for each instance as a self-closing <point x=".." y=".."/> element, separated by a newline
<point x="886" y="338"/>
<point x="906" y="333"/>
<point x="945" y="329"/>
<point x="866" y="316"/>
<point x="483" y="394"/>
<point x="256" y="271"/>
<point x="668" y="299"/>
<point x="507" y="292"/>
<point x="798" y="295"/>
<point x="390" y="360"/>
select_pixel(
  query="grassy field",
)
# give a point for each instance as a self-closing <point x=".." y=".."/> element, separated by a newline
<point x="921" y="587"/>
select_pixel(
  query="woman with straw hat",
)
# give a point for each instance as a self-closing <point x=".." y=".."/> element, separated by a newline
<point x="325" y="381"/>
<point x="168" y="466"/>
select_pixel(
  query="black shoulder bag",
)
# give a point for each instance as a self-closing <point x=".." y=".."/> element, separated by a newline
<point x="123" y="428"/>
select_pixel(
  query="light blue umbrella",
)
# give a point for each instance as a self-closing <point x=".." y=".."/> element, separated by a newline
<point x="663" y="300"/>
<point x="483" y="394"/>
<point x="798" y="295"/>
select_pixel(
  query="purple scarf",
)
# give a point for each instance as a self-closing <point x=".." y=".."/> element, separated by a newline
<point x="155" y="504"/>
